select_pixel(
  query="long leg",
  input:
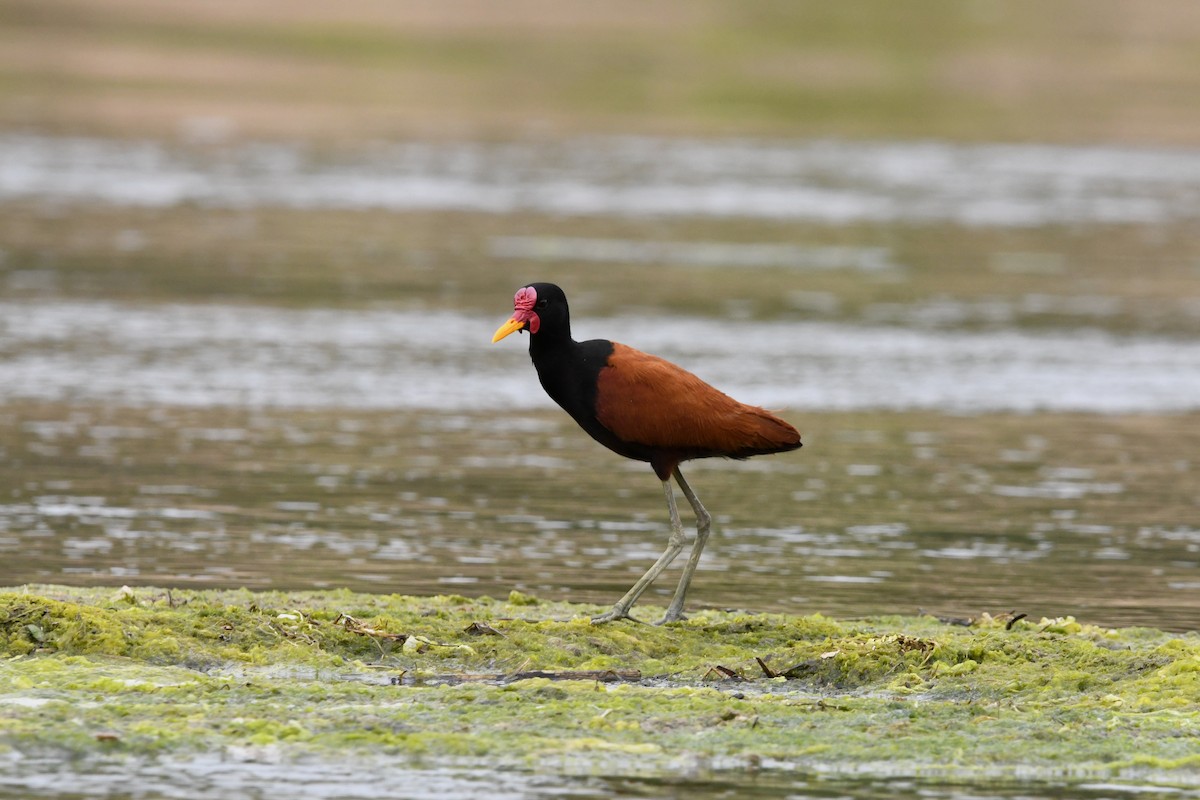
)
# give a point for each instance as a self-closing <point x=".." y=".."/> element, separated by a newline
<point x="674" y="546"/>
<point x="703" y="528"/>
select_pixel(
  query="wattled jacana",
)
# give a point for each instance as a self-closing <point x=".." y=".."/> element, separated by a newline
<point x="644" y="408"/>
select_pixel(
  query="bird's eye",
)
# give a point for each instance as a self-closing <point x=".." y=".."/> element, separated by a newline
<point x="541" y="304"/>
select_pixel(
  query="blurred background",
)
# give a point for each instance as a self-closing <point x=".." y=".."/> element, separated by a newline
<point x="252" y="252"/>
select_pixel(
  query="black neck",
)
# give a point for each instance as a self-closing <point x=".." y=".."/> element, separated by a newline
<point x="546" y="343"/>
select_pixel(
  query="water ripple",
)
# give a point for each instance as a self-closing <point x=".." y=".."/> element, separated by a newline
<point x="213" y="355"/>
<point x="1009" y="185"/>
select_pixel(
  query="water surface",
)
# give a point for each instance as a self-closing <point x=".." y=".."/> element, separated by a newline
<point x="218" y="355"/>
<point x="834" y="182"/>
<point x="260" y="773"/>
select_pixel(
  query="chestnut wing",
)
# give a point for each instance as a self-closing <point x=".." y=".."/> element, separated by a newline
<point x="649" y="401"/>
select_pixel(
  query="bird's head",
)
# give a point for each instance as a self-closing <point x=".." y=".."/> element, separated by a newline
<point x="538" y="307"/>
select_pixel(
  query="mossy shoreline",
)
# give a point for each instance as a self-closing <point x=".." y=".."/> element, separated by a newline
<point x="148" y="672"/>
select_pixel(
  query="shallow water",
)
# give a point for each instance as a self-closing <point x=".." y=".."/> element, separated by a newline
<point x="825" y="181"/>
<point x="215" y="355"/>
<point x="399" y="451"/>
<point x="863" y="520"/>
<point x="472" y="482"/>
<point x="262" y="773"/>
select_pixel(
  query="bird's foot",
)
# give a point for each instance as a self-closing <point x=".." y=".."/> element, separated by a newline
<point x="615" y="613"/>
<point x="672" y="616"/>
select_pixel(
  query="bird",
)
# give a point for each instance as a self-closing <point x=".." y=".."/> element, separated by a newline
<point x="644" y="408"/>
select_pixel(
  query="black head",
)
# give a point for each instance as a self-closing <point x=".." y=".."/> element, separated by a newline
<point x="541" y="309"/>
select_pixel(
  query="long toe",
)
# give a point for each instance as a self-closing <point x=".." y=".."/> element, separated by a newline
<point x="615" y="613"/>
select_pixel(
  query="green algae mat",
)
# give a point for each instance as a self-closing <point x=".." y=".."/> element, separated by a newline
<point x="529" y="684"/>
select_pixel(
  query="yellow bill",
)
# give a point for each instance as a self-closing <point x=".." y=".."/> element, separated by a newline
<point x="512" y="326"/>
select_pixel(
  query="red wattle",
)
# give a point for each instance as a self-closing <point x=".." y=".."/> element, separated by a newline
<point x="523" y="304"/>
